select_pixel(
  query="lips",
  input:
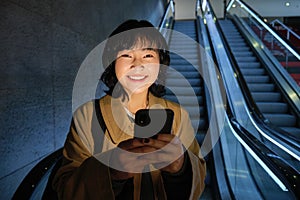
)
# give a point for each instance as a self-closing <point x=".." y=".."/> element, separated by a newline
<point x="137" y="77"/>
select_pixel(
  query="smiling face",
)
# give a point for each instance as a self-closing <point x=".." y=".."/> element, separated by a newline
<point x="137" y="69"/>
<point x="136" y="38"/>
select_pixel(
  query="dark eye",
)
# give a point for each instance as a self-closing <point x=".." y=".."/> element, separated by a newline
<point x="148" y="56"/>
<point x="125" y="56"/>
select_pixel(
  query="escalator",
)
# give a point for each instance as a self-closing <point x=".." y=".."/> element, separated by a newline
<point x="237" y="162"/>
<point x="181" y="70"/>
<point x="267" y="99"/>
<point x="185" y="85"/>
<point x="185" y="59"/>
<point x="267" y="95"/>
<point x="240" y="142"/>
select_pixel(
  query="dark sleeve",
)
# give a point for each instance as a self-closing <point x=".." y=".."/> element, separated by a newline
<point x="178" y="186"/>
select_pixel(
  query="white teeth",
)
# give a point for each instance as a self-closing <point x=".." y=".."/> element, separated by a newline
<point x="137" y="77"/>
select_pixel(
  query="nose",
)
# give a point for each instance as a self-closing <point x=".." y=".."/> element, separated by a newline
<point x="137" y="63"/>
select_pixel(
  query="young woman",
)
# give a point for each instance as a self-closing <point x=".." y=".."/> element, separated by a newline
<point x="113" y="164"/>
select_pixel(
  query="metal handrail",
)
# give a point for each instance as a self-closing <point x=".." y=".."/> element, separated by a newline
<point x="258" y="18"/>
<point x="256" y="25"/>
<point x="170" y="6"/>
<point x="286" y="27"/>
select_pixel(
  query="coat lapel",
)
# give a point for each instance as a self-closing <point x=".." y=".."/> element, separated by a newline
<point x="117" y="122"/>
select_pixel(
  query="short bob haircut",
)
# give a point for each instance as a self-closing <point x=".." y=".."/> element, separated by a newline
<point x="130" y="34"/>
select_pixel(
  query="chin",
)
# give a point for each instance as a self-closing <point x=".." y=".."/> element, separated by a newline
<point x="139" y="90"/>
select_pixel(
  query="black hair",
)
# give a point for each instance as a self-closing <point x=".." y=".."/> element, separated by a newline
<point x="133" y="32"/>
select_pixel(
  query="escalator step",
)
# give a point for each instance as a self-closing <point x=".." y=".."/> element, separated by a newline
<point x="274" y="107"/>
<point x="266" y="87"/>
<point x="281" y="119"/>
<point x="186" y="99"/>
<point x="188" y="50"/>
<point x="182" y="82"/>
<point x="185" y="53"/>
<point x="176" y="40"/>
<point x="242" y="53"/>
<point x="257" y="79"/>
<point x="186" y="42"/>
<point x="194" y="111"/>
<point x="185" y="68"/>
<point x="240" y="49"/>
<point x="257" y="71"/>
<point x="179" y="47"/>
<point x="266" y="96"/>
<point x="191" y="74"/>
<point x="233" y="35"/>
<point x="180" y="61"/>
<point x="184" y="91"/>
<point x="294" y="131"/>
<point x="245" y="59"/>
<point x="249" y="65"/>
<point x="238" y="45"/>
<point x="237" y="39"/>
<point x="186" y="56"/>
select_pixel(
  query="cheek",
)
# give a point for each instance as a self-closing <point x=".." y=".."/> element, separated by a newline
<point x="120" y="70"/>
<point x="118" y="73"/>
<point x="155" y="71"/>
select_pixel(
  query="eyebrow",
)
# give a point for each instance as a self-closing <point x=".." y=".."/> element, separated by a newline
<point x="149" y="49"/>
<point x="143" y="49"/>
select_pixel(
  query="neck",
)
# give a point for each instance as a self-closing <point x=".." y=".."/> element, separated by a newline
<point x="137" y="102"/>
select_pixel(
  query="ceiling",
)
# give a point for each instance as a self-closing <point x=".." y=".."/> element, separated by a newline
<point x="266" y="8"/>
<point x="275" y="8"/>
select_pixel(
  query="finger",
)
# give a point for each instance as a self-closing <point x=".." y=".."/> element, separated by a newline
<point x="131" y="144"/>
<point x="138" y="164"/>
<point x="163" y="144"/>
<point x="144" y="149"/>
<point x="128" y="162"/>
<point x="169" y="138"/>
<point x="157" y="157"/>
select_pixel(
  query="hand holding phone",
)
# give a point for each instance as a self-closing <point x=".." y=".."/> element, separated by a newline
<point x="150" y="122"/>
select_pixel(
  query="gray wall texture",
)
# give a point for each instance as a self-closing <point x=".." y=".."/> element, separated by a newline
<point x="42" y="45"/>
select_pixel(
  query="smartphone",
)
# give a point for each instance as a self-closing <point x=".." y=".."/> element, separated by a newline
<point x="150" y="122"/>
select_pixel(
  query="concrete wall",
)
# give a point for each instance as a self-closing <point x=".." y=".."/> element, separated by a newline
<point x="42" y="45"/>
<point x="275" y="8"/>
<point x="185" y="9"/>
